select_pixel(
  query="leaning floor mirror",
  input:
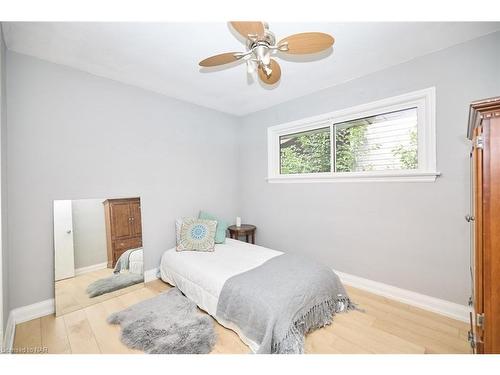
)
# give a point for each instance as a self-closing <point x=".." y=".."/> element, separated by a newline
<point x="98" y="250"/>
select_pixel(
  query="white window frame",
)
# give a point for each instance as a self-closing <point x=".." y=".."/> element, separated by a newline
<point x="423" y="100"/>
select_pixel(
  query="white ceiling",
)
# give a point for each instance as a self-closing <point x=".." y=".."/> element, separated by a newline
<point x="163" y="57"/>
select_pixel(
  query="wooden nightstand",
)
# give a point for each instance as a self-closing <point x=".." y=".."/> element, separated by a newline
<point x="246" y="230"/>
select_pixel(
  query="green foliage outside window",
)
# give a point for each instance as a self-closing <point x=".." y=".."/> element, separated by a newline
<point x="310" y="152"/>
<point x="408" y="155"/>
<point x="351" y="145"/>
<point x="306" y="153"/>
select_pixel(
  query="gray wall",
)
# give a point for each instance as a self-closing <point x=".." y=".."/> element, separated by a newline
<point x="73" y="136"/>
<point x="3" y="179"/>
<point x="89" y="232"/>
<point x="411" y="235"/>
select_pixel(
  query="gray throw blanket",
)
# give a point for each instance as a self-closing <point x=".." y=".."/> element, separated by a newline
<point x="277" y="303"/>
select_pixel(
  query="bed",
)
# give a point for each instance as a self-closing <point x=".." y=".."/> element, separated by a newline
<point x="130" y="261"/>
<point x="203" y="277"/>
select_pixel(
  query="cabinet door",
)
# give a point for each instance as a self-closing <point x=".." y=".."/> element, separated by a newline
<point x="121" y="220"/>
<point x="135" y="209"/>
<point x="491" y="231"/>
<point x="477" y="254"/>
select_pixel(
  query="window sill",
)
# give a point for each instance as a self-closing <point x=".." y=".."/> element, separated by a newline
<point x="357" y="177"/>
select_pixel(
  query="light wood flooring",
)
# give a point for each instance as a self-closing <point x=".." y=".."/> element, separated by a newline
<point x="71" y="293"/>
<point x="386" y="326"/>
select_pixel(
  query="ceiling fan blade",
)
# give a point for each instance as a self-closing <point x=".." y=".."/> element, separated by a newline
<point x="304" y="43"/>
<point x="223" y="58"/>
<point x="246" y="28"/>
<point x="275" y="74"/>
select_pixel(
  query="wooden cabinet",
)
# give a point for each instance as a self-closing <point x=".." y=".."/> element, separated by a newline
<point x="484" y="131"/>
<point x="135" y="208"/>
<point x="123" y="226"/>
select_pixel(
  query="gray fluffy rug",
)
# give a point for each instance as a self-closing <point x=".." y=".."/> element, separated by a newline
<point x="112" y="283"/>
<point x="169" y="323"/>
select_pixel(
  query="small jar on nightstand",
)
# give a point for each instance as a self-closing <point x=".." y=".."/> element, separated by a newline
<point x="246" y="230"/>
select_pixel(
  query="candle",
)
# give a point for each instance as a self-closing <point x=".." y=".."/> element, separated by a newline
<point x="238" y="221"/>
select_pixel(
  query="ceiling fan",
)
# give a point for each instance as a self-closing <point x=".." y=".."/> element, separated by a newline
<point x="261" y="45"/>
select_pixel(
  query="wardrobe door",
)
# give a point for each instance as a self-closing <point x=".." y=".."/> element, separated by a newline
<point x="491" y="231"/>
<point x="135" y="209"/>
<point x="477" y="262"/>
<point x="120" y="219"/>
<point x="484" y="131"/>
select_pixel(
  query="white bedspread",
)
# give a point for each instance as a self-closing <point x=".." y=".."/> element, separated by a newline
<point x="201" y="275"/>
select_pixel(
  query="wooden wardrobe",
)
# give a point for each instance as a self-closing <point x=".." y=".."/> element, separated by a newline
<point x="123" y="226"/>
<point x="484" y="131"/>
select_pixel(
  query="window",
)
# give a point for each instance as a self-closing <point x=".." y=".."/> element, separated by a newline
<point x="392" y="139"/>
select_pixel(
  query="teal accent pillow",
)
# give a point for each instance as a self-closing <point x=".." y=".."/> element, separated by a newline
<point x="220" y="233"/>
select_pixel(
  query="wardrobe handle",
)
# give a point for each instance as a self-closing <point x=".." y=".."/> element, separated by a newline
<point x="469" y="218"/>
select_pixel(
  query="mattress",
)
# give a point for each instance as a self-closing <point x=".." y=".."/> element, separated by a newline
<point x="201" y="275"/>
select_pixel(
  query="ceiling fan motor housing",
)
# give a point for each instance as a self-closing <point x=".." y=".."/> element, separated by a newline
<point x="261" y="50"/>
<point x="268" y="38"/>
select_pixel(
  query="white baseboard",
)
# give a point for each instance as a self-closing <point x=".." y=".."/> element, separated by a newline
<point x="36" y="310"/>
<point x="10" y="330"/>
<point x="94" y="267"/>
<point x="439" y="306"/>
<point x="24" y="314"/>
<point x="151" y="275"/>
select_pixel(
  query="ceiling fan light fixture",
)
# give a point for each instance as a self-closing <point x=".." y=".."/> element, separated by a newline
<point x="263" y="54"/>
<point x="267" y="70"/>
<point x="251" y="66"/>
